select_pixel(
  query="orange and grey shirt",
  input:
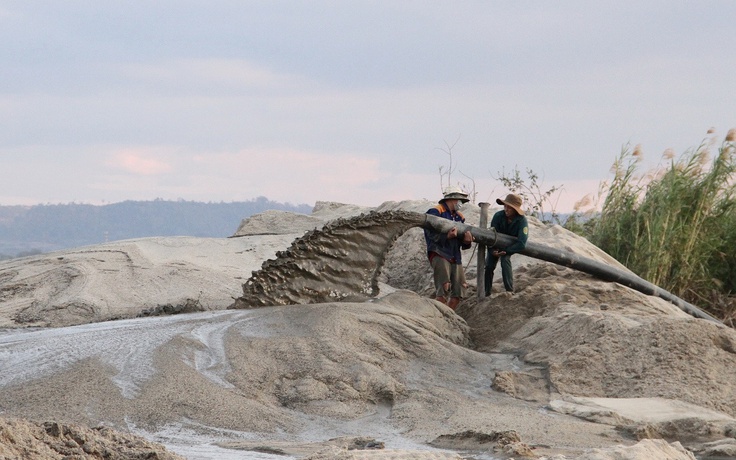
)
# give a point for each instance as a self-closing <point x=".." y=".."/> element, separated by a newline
<point x="438" y="243"/>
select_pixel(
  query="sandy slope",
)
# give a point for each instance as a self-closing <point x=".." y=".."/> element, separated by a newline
<point x="126" y="278"/>
<point x="566" y="366"/>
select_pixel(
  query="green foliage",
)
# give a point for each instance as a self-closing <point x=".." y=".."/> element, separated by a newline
<point x="538" y="202"/>
<point x="676" y="225"/>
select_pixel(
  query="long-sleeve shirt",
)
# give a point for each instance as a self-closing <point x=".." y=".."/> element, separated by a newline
<point x="438" y="243"/>
<point x="518" y="227"/>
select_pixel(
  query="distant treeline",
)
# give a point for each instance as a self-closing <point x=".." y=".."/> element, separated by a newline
<point x="26" y="230"/>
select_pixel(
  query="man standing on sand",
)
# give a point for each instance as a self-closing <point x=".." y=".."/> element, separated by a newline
<point x="509" y="221"/>
<point x="444" y="249"/>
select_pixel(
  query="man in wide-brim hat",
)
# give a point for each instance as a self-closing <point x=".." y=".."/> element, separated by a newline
<point x="444" y="249"/>
<point x="509" y="221"/>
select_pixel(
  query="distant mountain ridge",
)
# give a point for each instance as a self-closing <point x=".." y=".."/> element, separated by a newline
<point x="28" y="230"/>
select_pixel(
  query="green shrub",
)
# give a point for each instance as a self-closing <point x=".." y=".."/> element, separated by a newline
<point x="676" y="225"/>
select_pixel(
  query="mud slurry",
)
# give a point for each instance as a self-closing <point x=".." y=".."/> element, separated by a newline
<point x="341" y="260"/>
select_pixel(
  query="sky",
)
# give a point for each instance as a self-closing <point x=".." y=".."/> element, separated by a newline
<point x="355" y="101"/>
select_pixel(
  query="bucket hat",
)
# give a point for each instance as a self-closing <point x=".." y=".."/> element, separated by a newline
<point x="455" y="193"/>
<point x="512" y="200"/>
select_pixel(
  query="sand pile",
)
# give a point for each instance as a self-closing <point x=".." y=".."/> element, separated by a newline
<point x="568" y="367"/>
<point x="20" y="439"/>
<point x="128" y="278"/>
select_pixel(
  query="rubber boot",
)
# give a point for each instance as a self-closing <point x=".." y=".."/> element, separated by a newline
<point x="454" y="301"/>
<point x="441" y="299"/>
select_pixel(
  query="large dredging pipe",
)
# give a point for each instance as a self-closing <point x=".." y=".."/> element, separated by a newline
<point x="491" y="239"/>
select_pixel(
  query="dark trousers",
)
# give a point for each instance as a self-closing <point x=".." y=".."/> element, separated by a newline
<point x="507" y="272"/>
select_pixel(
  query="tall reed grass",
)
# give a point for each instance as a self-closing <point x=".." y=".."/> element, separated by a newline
<point x="675" y="226"/>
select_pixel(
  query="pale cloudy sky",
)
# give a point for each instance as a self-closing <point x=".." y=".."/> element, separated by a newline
<point x="350" y="101"/>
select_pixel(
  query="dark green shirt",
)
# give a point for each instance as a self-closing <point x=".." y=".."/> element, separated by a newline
<point x="518" y="227"/>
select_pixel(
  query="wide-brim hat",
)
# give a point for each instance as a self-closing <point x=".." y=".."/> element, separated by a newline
<point x="512" y="200"/>
<point x="455" y="193"/>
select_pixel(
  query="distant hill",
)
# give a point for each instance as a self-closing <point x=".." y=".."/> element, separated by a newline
<point x="26" y="230"/>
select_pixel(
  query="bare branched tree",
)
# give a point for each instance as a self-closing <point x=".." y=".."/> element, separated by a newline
<point x="472" y="191"/>
<point x="451" y="167"/>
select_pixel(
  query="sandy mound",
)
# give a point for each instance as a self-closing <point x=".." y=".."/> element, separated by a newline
<point x="568" y="363"/>
<point x="396" y="368"/>
<point x="603" y="340"/>
<point x="244" y="370"/>
<point x="645" y="450"/>
<point x="51" y="440"/>
<point x="278" y="223"/>
<point x="128" y="278"/>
